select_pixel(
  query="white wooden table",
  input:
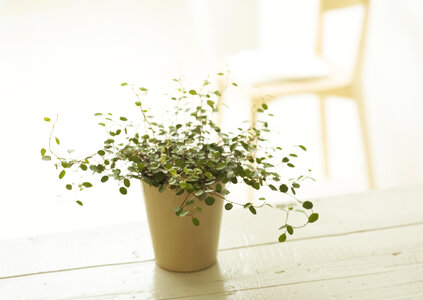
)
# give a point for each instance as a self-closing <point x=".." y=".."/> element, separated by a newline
<point x="365" y="246"/>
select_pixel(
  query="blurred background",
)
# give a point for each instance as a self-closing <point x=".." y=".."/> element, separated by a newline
<point x="69" y="57"/>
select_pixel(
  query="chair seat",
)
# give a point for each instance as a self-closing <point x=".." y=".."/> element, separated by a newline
<point x="271" y="73"/>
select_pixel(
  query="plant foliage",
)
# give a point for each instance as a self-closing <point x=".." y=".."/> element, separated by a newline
<point x="190" y="154"/>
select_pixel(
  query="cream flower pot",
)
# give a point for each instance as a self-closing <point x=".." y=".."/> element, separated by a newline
<point x="178" y="244"/>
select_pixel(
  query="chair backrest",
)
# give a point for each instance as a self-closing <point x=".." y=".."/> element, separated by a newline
<point x="331" y="5"/>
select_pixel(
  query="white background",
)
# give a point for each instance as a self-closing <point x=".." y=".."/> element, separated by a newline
<point x="69" y="57"/>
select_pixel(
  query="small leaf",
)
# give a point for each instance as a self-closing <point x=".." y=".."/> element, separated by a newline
<point x="98" y="114"/>
<point x="87" y="184"/>
<point x="272" y="187"/>
<point x="62" y="174"/>
<point x="46" y="157"/>
<point x="296" y="185"/>
<point x="198" y="193"/>
<point x="285" y="160"/>
<point x="43" y="151"/>
<point x="234" y="84"/>
<point x="313" y="217"/>
<point x="177" y="210"/>
<point x="253" y="210"/>
<point x="228" y="206"/>
<point x="195" y="221"/>
<point x="83" y="167"/>
<point x="308" y="205"/>
<point x="123" y="190"/>
<point x="290" y="165"/>
<point x="69" y="187"/>
<point x="209" y="200"/>
<point x="126" y="182"/>
<point x="193" y="92"/>
<point x="302" y="147"/>
<point x="264" y="106"/>
<point x="123" y="84"/>
<point x="101" y="152"/>
<point x="290" y="229"/>
<point x="57" y="141"/>
<point x="283" y="188"/>
<point x="47" y="119"/>
<point x="184" y="213"/>
<point x="123" y="119"/>
<point x="79" y="202"/>
<point x="198" y="209"/>
<point x="104" y="178"/>
<point x="282" y="238"/>
<point x="102" y="124"/>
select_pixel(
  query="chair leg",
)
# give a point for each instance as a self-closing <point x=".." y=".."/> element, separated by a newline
<point x="366" y="140"/>
<point x="324" y="134"/>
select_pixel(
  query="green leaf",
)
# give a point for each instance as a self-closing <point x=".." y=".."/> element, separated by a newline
<point x="302" y="147"/>
<point x="285" y="160"/>
<point x="180" y="192"/>
<point x="195" y="221"/>
<point x="290" y="229"/>
<point x="143" y="89"/>
<point x="220" y="166"/>
<point x="87" y="184"/>
<point x="123" y="84"/>
<point x="177" y="210"/>
<point x="126" y="182"/>
<point x="123" y="190"/>
<point x="228" y="206"/>
<point x="209" y="200"/>
<point x="272" y="187"/>
<point x="313" y="217"/>
<point x="104" y="178"/>
<point x="46" y="157"/>
<point x="184" y="213"/>
<point x="193" y="92"/>
<point x="98" y="114"/>
<point x="62" y="174"/>
<point x="190" y="202"/>
<point x="102" y="124"/>
<point x="69" y="187"/>
<point x="123" y="119"/>
<point x="198" y="209"/>
<point x="234" y="84"/>
<point x="282" y="238"/>
<point x="283" y="188"/>
<point x="198" y="193"/>
<point x="47" y="119"/>
<point x="308" y="205"/>
<point x="264" y="106"/>
<point x="252" y="210"/>
<point x="293" y="155"/>
<point x="43" y="151"/>
<point x="79" y="202"/>
<point x="101" y="152"/>
<point x="296" y="185"/>
<point x="210" y="103"/>
<point x="290" y="165"/>
<point x="83" y="167"/>
<point x="218" y="187"/>
<point x="172" y="171"/>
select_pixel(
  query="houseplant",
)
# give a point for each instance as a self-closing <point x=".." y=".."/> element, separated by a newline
<point x="186" y="165"/>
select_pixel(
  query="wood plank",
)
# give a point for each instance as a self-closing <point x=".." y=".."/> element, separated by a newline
<point x="131" y="242"/>
<point x="390" y="260"/>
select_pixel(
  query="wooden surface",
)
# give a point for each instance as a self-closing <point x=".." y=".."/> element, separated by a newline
<point x="365" y="246"/>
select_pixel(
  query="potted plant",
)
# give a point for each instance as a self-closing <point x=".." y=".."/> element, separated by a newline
<point x="186" y="165"/>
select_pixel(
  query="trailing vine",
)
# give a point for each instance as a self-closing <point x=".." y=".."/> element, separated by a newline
<point x="190" y="154"/>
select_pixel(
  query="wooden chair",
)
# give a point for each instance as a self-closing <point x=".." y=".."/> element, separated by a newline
<point x="334" y="83"/>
